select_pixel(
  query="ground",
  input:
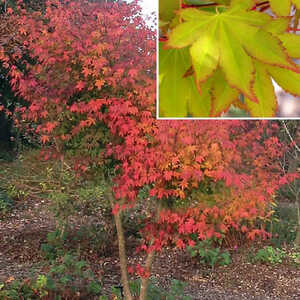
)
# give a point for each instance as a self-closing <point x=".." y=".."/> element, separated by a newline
<point x="23" y="230"/>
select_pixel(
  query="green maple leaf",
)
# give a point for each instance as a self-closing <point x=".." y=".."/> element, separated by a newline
<point x="287" y="79"/>
<point x="222" y="95"/>
<point x="291" y="42"/>
<point x="178" y="95"/>
<point x="283" y="7"/>
<point x="264" y="89"/>
<point x="247" y="47"/>
<point x="167" y="9"/>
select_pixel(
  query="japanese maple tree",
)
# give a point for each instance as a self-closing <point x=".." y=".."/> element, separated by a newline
<point x="91" y="88"/>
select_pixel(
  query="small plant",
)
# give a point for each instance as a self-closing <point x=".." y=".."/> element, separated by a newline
<point x="15" y="289"/>
<point x="66" y="280"/>
<point x="16" y="193"/>
<point x="176" y="291"/>
<point x="55" y="244"/>
<point x="269" y="254"/>
<point x="70" y="273"/>
<point x="209" y="254"/>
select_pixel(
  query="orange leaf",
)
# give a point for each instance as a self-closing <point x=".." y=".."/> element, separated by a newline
<point x="45" y="138"/>
<point x="99" y="83"/>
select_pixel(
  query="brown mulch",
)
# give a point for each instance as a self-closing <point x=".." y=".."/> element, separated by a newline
<point x="24" y="230"/>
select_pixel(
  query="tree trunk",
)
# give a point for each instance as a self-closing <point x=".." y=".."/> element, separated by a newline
<point x="149" y="260"/>
<point x="145" y="281"/>
<point x="122" y="249"/>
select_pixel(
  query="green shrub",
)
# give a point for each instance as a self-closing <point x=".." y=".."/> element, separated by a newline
<point x="55" y="244"/>
<point x="45" y="287"/>
<point x="67" y="278"/>
<point x="70" y="273"/>
<point x="270" y="255"/>
<point x="16" y="290"/>
<point x="208" y="254"/>
<point x="176" y="291"/>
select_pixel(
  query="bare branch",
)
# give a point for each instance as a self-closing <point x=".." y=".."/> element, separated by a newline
<point x="289" y="135"/>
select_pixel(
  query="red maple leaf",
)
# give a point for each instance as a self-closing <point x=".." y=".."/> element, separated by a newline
<point x="80" y="85"/>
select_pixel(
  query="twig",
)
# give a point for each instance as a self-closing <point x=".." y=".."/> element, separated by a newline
<point x="289" y="135"/>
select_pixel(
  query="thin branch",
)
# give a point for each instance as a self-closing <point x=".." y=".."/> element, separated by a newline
<point x="289" y="135"/>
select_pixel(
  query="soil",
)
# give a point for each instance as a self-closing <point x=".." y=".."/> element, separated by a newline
<point x="23" y="230"/>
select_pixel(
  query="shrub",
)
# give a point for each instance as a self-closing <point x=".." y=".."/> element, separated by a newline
<point x="208" y="254"/>
<point x="68" y="278"/>
<point x="270" y="255"/>
<point x="55" y="244"/>
<point x="68" y="273"/>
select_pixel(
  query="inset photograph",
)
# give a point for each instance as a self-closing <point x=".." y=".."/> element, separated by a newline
<point x="228" y="59"/>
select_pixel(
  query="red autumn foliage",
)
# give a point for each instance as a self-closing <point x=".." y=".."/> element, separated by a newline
<point x="215" y="177"/>
<point x="96" y="69"/>
<point x="89" y="55"/>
